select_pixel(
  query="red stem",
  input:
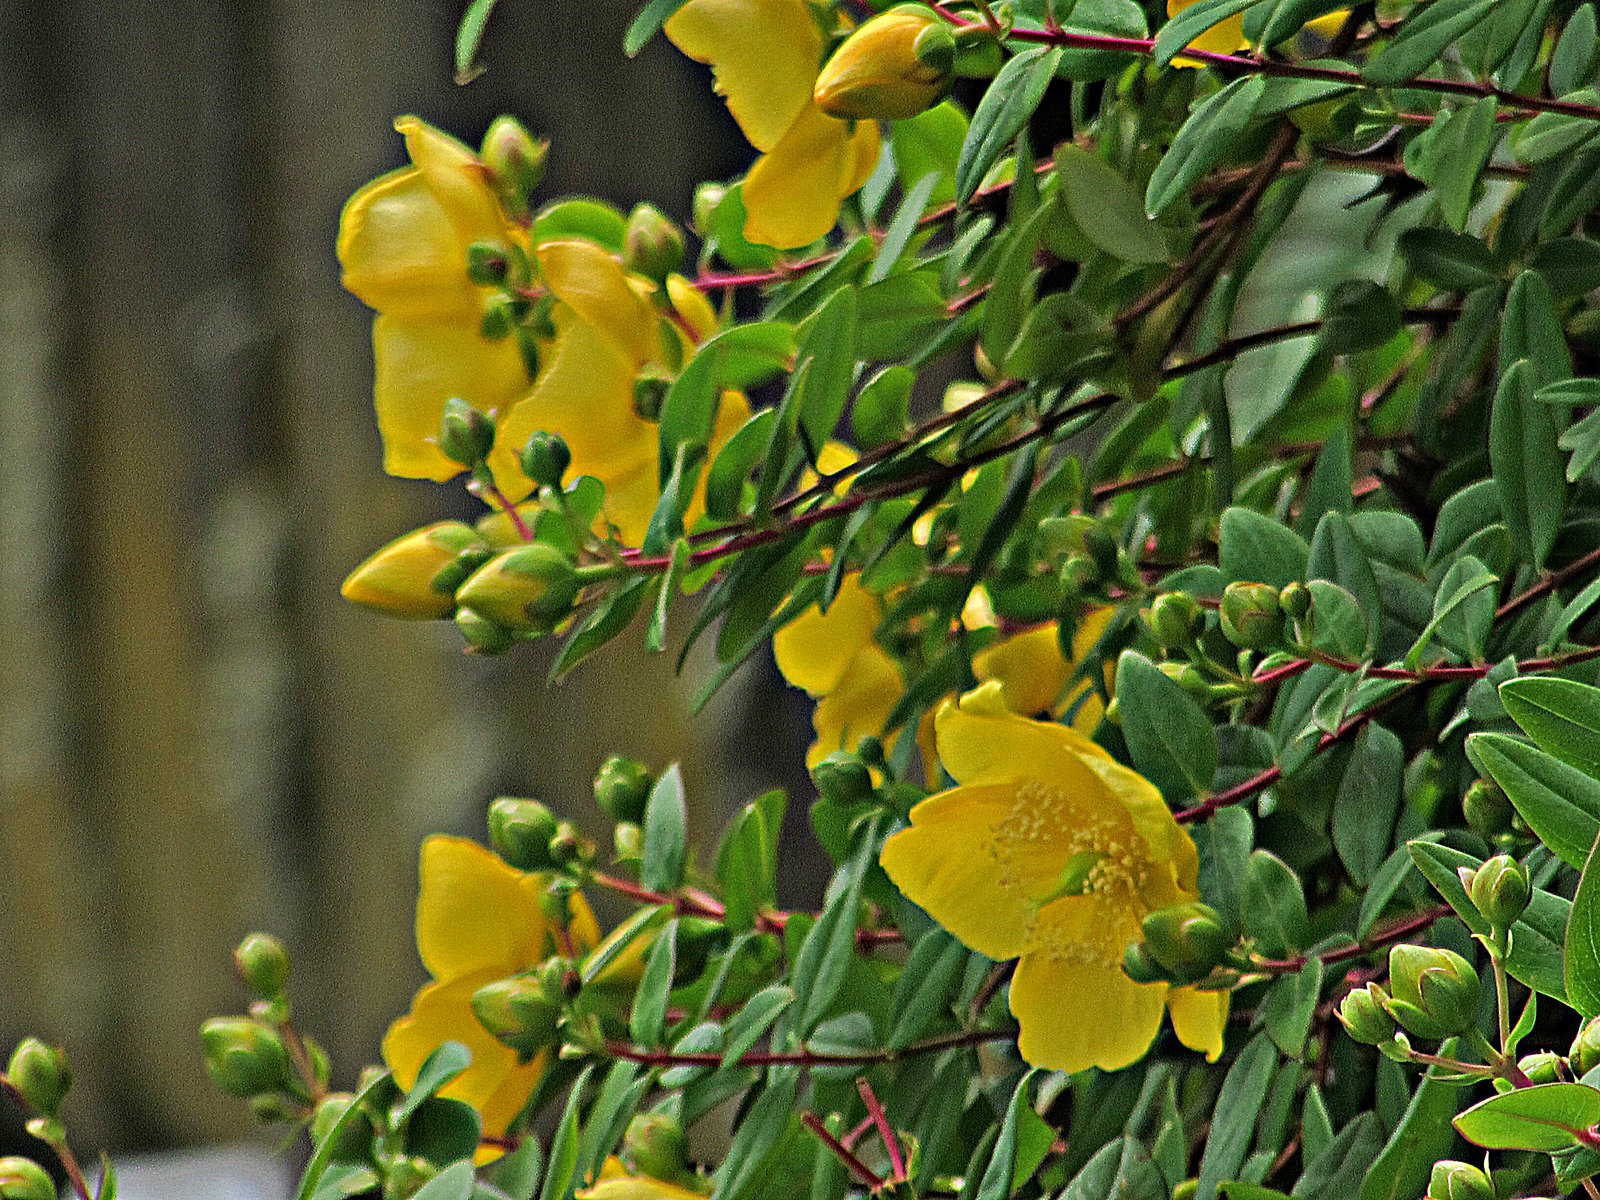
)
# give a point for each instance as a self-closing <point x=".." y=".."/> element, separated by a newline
<point x="1391" y="933"/>
<point x="897" y="1164"/>
<point x="867" y="1175"/>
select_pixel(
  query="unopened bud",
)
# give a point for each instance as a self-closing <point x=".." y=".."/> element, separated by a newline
<point x="516" y="161"/>
<point x="655" y="1145"/>
<point x="1584" y="1054"/>
<point x="555" y="902"/>
<point x="650" y="389"/>
<point x="520" y="831"/>
<point x="1175" y="618"/>
<point x="244" y="1057"/>
<point x="621" y="788"/>
<point x="1363" y="1014"/>
<point x="1501" y="889"/>
<point x="569" y="846"/>
<point x="1541" y="1067"/>
<point x="1187" y="939"/>
<point x="482" y="635"/>
<point x="1454" y="1180"/>
<point x="488" y="264"/>
<point x="627" y="842"/>
<point x="529" y="589"/>
<point x="23" y="1179"/>
<point x="415" y="576"/>
<point x="894" y="66"/>
<point x="706" y="198"/>
<point x="1435" y="991"/>
<point x="843" y="778"/>
<point x="1139" y="965"/>
<point x="652" y="245"/>
<point x="1487" y="810"/>
<point x="518" y="1013"/>
<point x="1295" y="599"/>
<point x="545" y="459"/>
<point x="1188" y="677"/>
<point x="465" y="435"/>
<point x="1252" y="618"/>
<point x="40" y="1074"/>
<point x="263" y="964"/>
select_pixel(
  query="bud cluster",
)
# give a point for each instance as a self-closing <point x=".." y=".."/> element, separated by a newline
<point x="1183" y="943"/>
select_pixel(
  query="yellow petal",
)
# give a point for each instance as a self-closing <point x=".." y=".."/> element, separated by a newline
<point x="417" y="366"/>
<point x="1168" y="842"/>
<point x="792" y="193"/>
<point x="764" y="54"/>
<point x="692" y="306"/>
<point x="1076" y="1014"/>
<point x="815" y="648"/>
<point x="1199" y="1019"/>
<point x="945" y="862"/>
<point x="456" y="176"/>
<point x="402" y="254"/>
<point x="858" y="707"/>
<point x="1028" y="666"/>
<point x="865" y="144"/>
<point x="593" y="284"/>
<point x="1222" y="38"/>
<point x="475" y="913"/>
<point x="1087" y="713"/>
<point x="982" y="741"/>
<point x="635" y="1187"/>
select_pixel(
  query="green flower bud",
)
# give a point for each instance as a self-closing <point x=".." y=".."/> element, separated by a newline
<point x="1542" y="1067"/>
<point x="520" y="831"/>
<point x="516" y="161"/>
<point x="1435" y="992"/>
<point x="354" y="1143"/>
<point x="1252" y="618"/>
<point x="529" y="589"/>
<point x="263" y="964"/>
<point x="1584" y="1054"/>
<point x="40" y="1074"/>
<point x="545" y="459"/>
<point x="1188" y="677"/>
<point x="23" y="1179"/>
<point x="893" y="66"/>
<point x="1187" y="939"/>
<point x="1453" y="1180"/>
<point x="465" y="435"/>
<point x="627" y="842"/>
<point x="1078" y="574"/>
<point x="244" y="1057"/>
<point x="482" y="635"/>
<point x="415" y="576"/>
<point x="650" y="389"/>
<point x="569" y="846"/>
<point x="655" y="1145"/>
<point x="706" y="198"/>
<point x="518" y="1013"/>
<point x="1363" y="1015"/>
<point x="555" y="902"/>
<point x="1295" y="600"/>
<point x="1175" y="619"/>
<point x="1139" y="965"/>
<point x="1501" y="889"/>
<point x="621" y="787"/>
<point x="405" y="1177"/>
<point x="488" y="264"/>
<point x="1486" y="808"/>
<point x="652" y="245"/>
<point x="843" y="778"/>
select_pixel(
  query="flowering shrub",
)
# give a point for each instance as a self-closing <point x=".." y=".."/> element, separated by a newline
<point x="1206" y="709"/>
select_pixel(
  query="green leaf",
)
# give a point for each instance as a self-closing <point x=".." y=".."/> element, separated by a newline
<point x="1572" y="62"/>
<point x="923" y="990"/>
<point x="469" y="36"/>
<point x="648" y="23"/>
<point x="1224" y="843"/>
<point x="443" y="1130"/>
<point x="1582" y="441"/>
<point x="1269" y="24"/>
<point x="733" y="464"/>
<point x="828" y="347"/>
<point x="655" y="638"/>
<point x="1254" y="548"/>
<point x="1457" y="262"/>
<point x="1547" y="1117"/>
<point x="999" y="1175"/>
<point x="930" y="142"/>
<point x="753" y="1020"/>
<point x="1338" y="625"/>
<point x="741" y="356"/>
<point x="591" y="220"/>
<point x="1457" y="149"/>
<point x="897" y="318"/>
<point x="666" y="823"/>
<point x="607" y="620"/>
<point x="1011" y="296"/>
<point x="1571" y="266"/>
<point x="1172" y="743"/>
<point x="1107" y="209"/>
<point x="1368" y="800"/>
<point x="1233" y="1119"/>
<point x="561" y="1175"/>
<point x="1531" y="329"/>
<point x="1120" y="1168"/>
<point x="455" y="1182"/>
<point x="1204" y="139"/>
<point x="1463" y="611"/>
<point x="438" y="1069"/>
<point x="1361" y="315"/>
<point x="1423" y="38"/>
<point x="1291" y="1003"/>
<point x="323" y="1154"/>
<point x="1560" y="803"/>
<point x="1561" y="715"/>
<point x="1422" y="1138"/>
<point x="819" y="967"/>
<point x="1007" y="104"/>
<point x="618" y="1101"/>
<point x="1189" y="24"/>
<point x="1583" y="941"/>
<point x="647" y="1021"/>
<point x="1346" y="1158"/>
<point x="1576" y="607"/>
<point x="1059" y="340"/>
<point x="747" y="860"/>
<point x="1338" y="556"/>
<point x="666" y="521"/>
<point x="1274" y="906"/>
<point x="1550" y="135"/>
<point x="1386" y="881"/>
<point x="517" y="1174"/>
<point x="904" y="225"/>
<point x="1527" y="464"/>
<point x="767" y="1120"/>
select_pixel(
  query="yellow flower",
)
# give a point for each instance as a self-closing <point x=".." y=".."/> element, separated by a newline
<point x="893" y="67"/>
<point x="615" y="1183"/>
<point x="403" y="242"/>
<point x="1052" y="853"/>
<point x="478" y="920"/>
<point x="1034" y="674"/>
<point x="765" y="54"/>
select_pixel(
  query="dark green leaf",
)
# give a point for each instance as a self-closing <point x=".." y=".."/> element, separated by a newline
<point x="455" y="1182"/>
<point x="1256" y="549"/>
<point x="1291" y="1003"/>
<point x="607" y="620"/>
<point x="999" y="1175"/>
<point x="1367" y="802"/>
<point x="904" y="225"/>
<point x="1457" y="262"/>
<point x="1552" y="134"/>
<point x="819" y="968"/>
<point x="829" y="347"/>
<point x="1204" y="140"/>
<point x="769" y="1117"/>
<point x="1560" y="803"/>
<point x="647" y="1021"/>
<point x="1233" y="1119"/>
<point x="733" y="464"/>
<point x="1423" y="1137"/>
<point x="1545" y="1117"/>
<point x="1459" y="147"/>
<point x="1007" y="104"/>
<point x="443" y="1131"/>
<point x="1423" y="38"/>
<point x="1463" y="611"/>
<point x="1360" y="315"/>
<point x="323" y="1154"/>
<point x="1531" y="329"/>
<point x="923" y="989"/>
<point x="1339" y="626"/>
<point x="1107" y="209"/>
<point x="1274" y="906"/>
<point x="1189" y="24"/>
<point x="1011" y="296"/>
<point x="1224" y="843"/>
<point x="666" y="822"/>
<point x="1171" y="741"/>
<point x="438" y="1069"/>
<point x="1583" y="941"/>
<point x="753" y="1020"/>
<point x="1346" y="1158"/>
<point x="1338" y="556"/>
<point x="561" y="1175"/>
<point x="1572" y="61"/>
<point x="1561" y="715"/>
<point x="469" y="36"/>
<point x="1528" y="467"/>
<point x="930" y="142"/>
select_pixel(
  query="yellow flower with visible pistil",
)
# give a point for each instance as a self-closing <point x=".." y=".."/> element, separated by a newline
<point x="403" y="242"/>
<point x="478" y="920"/>
<point x="765" y="54"/>
<point x="1052" y="853"/>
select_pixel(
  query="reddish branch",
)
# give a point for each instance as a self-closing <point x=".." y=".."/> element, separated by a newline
<point x="808" y="1058"/>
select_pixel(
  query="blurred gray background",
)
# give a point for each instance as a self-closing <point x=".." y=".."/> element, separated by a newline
<point x="197" y="736"/>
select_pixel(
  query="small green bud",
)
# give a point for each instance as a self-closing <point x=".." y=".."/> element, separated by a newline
<point x="406" y="1176"/>
<point x="627" y="842"/>
<point x="1362" y="1013"/>
<point x="1584" y="1055"/>
<point x="415" y="576"/>
<point x="545" y="459"/>
<point x="270" y="1108"/>
<point x="1079" y="573"/>
<point x="40" y="1074"/>
<point x="650" y="389"/>
<point x="482" y="635"/>
<point x="1252" y="618"/>
<point x="520" y="831"/>
<point x="518" y="1013"/>
<point x="1175" y="619"/>
<point x="1189" y="678"/>
<point x="1434" y="991"/>
<point x="263" y="964"/>
<point x="555" y="902"/>
<point x="1541" y="1067"/>
<point x="621" y="787"/>
<point x="655" y="1145"/>
<point x="465" y="435"/>
<point x="1454" y="1180"/>
<point x="516" y="162"/>
<point x="1187" y="939"/>
<point x="652" y="245"/>
<point x="528" y="589"/>
<point x="706" y="198"/>
<point x="843" y="778"/>
<point x="488" y="264"/>
<point x="1501" y="889"/>
<point x="1139" y="965"/>
<point x="1486" y="808"/>
<point x="1295" y="599"/>
<point x="497" y="320"/>
<point x="569" y="846"/>
<point x="23" y="1179"/>
<point x="244" y="1057"/>
<point x="354" y="1143"/>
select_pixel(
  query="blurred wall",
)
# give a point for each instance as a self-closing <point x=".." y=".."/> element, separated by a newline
<point x="197" y="737"/>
